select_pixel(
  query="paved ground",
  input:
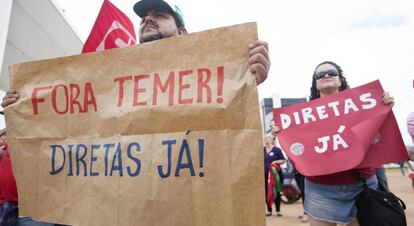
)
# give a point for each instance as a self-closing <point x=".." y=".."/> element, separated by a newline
<point x="399" y="185"/>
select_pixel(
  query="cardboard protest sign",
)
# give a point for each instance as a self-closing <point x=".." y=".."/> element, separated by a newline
<point x="163" y="133"/>
<point x="350" y="129"/>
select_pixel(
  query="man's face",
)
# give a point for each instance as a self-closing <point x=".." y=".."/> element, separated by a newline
<point x="157" y="25"/>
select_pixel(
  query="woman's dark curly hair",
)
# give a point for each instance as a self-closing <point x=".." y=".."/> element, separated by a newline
<point x="344" y="84"/>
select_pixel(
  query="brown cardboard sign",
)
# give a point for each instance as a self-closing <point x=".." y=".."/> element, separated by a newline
<point x="162" y="133"/>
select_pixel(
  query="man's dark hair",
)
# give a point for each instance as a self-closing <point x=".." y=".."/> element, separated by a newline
<point x="344" y="84"/>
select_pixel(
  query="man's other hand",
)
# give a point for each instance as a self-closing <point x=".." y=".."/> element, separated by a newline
<point x="259" y="60"/>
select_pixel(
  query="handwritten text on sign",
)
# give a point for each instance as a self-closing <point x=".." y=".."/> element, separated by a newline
<point x="81" y="159"/>
<point x="347" y="130"/>
<point x="65" y="98"/>
<point x="73" y="159"/>
<point x="313" y="114"/>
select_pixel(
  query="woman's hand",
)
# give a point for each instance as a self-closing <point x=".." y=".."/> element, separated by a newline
<point x="387" y="99"/>
<point x="279" y="161"/>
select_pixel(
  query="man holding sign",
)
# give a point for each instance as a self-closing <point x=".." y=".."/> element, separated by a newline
<point x="332" y="148"/>
<point x="143" y="130"/>
<point x="160" y="20"/>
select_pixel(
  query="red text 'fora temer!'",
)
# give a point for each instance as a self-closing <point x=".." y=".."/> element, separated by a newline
<point x="176" y="87"/>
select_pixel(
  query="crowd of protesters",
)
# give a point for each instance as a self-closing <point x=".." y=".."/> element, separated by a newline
<point x="330" y="199"/>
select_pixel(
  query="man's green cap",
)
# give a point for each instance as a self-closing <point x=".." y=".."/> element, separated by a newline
<point x="143" y="6"/>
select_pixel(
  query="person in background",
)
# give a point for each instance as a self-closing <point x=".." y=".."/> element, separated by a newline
<point x="411" y="174"/>
<point x="410" y="149"/>
<point x="300" y="181"/>
<point x="382" y="179"/>
<point x="299" y="178"/>
<point x="9" y="211"/>
<point x="410" y="129"/>
<point x="273" y="158"/>
<point x="330" y="199"/>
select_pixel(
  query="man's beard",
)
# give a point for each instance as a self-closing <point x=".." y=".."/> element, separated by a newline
<point x="153" y="37"/>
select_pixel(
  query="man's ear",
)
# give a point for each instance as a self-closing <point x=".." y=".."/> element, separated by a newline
<point x="182" y="31"/>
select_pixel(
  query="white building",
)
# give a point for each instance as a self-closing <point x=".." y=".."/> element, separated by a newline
<point x="267" y="105"/>
<point x="33" y="30"/>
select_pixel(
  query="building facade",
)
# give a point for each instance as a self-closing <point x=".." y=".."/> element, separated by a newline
<point x="267" y="105"/>
<point x="33" y="30"/>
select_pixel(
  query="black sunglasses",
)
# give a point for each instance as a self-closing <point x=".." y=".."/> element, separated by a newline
<point x="322" y="74"/>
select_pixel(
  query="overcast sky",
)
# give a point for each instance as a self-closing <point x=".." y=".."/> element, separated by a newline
<point x="369" y="39"/>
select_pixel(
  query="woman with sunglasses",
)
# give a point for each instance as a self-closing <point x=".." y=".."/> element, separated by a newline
<point x="330" y="199"/>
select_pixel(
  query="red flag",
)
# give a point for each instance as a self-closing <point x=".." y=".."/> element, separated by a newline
<point x="350" y="129"/>
<point x="112" y="29"/>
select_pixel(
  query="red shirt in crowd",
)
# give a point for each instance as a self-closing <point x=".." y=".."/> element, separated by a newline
<point x="8" y="189"/>
<point x="343" y="178"/>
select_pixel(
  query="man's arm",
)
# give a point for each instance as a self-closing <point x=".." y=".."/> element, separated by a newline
<point x="259" y="60"/>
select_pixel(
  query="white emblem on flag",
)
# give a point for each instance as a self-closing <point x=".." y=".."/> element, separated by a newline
<point x="116" y="26"/>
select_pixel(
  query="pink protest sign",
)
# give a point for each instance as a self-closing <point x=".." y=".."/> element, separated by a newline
<point x="350" y="129"/>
